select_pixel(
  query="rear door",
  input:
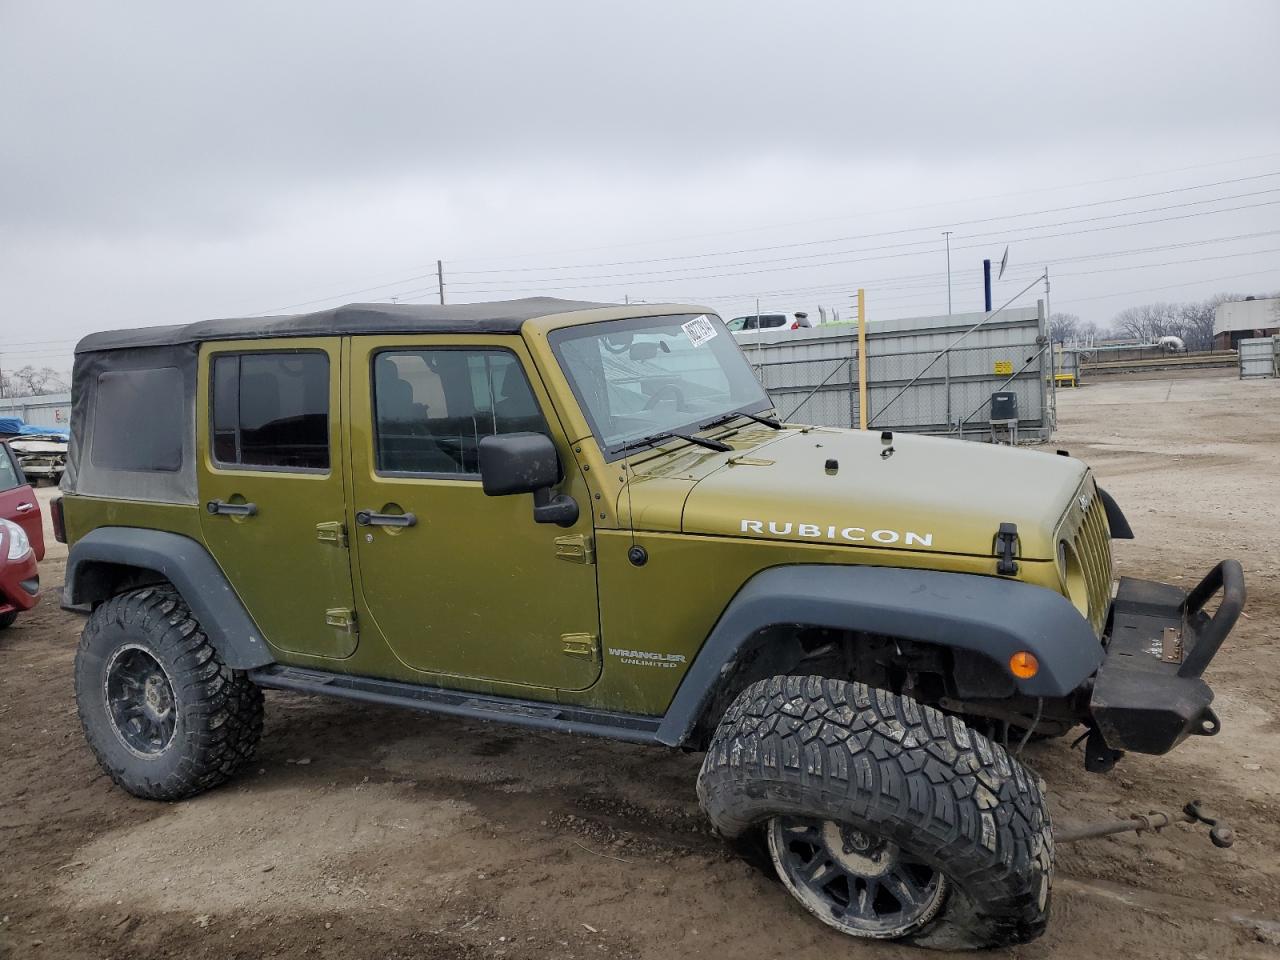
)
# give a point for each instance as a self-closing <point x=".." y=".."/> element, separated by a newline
<point x="18" y="501"/>
<point x="272" y="491"/>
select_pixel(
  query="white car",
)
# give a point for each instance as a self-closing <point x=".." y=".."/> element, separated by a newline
<point x="770" y="321"/>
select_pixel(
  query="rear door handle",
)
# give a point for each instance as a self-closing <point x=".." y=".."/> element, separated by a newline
<point x="26" y="507"/>
<point x="224" y="509"/>
<point x="367" y="518"/>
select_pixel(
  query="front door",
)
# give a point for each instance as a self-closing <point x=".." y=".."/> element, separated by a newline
<point x="273" y="508"/>
<point x="457" y="582"/>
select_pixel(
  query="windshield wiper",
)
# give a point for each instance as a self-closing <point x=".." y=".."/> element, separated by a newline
<point x="673" y="434"/>
<point x="767" y="421"/>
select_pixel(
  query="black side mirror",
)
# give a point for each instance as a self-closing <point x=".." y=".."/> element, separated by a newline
<point x="513" y="463"/>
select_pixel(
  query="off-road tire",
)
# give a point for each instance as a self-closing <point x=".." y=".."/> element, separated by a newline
<point x="7" y="618"/>
<point x="217" y="711"/>
<point x="830" y="750"/>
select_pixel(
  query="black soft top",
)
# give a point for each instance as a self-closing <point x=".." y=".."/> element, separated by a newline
<point x="504" y="316"/>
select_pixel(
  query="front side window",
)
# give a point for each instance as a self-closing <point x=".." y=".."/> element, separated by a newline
<point x="648" y="375"/>
<point x="431" y="407"/>
<point x="9" y="475"/>
<point x="271" y="410"/>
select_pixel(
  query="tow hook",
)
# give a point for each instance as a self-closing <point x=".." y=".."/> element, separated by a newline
<point x="1220" y="834"/>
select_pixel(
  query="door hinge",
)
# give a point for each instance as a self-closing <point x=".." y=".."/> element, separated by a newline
<point x="577" y="548"/>
<point x="341" y="618"/>
<point x="581" y="646"/>
<point x="332" y="531"/>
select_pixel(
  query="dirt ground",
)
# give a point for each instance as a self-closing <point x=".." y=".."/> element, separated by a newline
<point x="363" y="832"/>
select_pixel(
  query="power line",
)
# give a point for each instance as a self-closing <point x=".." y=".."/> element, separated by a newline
<point x="429" y="274"/>
<point x="933" y="278"/>
<point x="874" y="213"/>
<point x="650" y="278"/>
<point x="1171" y="286"/>
<point x="883" y="233"/>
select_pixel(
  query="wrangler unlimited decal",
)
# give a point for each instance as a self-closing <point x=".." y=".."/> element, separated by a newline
<point x="831" y="532"/>
<point x="647" y="658"/>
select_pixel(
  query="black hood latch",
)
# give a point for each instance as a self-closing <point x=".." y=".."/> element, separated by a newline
<point x="1006" y="546"/>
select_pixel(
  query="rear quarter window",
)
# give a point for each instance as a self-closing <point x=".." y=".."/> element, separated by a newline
<point x="139" y="420"/>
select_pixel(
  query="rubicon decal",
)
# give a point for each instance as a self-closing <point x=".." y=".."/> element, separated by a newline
<point x="815" y="531"/>
<point x="647" y="658"/>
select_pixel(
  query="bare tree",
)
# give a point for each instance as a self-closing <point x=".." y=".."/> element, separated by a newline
<point x="29" y="381"/>
<point x="1063" y="326"/>
<point x="1149" y="321"/>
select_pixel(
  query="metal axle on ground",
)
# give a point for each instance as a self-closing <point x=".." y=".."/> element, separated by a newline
<point x="1220" y="834"/>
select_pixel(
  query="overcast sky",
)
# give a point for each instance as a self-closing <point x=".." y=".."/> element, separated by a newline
<point x="164" y="162"/>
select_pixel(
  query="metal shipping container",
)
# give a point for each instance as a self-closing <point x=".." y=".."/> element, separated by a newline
<point x="1259" y="357"/>
<point x="812" y="375"/>
<point x="49" y="410"/>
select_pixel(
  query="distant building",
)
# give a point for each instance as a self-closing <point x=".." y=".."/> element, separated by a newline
<point x="1238" y="320"/>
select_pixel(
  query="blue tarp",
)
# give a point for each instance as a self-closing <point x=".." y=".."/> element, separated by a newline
<point x="31" y="430"/>
<point x="15" y="426"/>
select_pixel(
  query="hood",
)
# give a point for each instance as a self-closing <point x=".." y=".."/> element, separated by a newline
<point x="929" y="494"/>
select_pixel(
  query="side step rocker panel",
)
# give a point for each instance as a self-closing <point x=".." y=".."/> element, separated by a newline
<point x="557" y="717"/>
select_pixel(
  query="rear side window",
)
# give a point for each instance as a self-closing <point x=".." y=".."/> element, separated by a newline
<point x="139" y="420"/>
<point x="271" y="410"/>
<point x="431" y="407"/>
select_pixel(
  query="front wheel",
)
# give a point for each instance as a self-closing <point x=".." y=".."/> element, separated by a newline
<point x="884" y="818"/>
<point x="165" y="717"/>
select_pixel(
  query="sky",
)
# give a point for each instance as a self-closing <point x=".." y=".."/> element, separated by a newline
<point x="165" y="163"/>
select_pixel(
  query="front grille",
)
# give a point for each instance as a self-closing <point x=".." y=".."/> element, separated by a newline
<point x="1085" y="528"/>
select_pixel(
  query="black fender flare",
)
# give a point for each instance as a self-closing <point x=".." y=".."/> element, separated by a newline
<point x="192" y="571"/>
<point x="1117" y="522"/>
<point x="985" y="615"/>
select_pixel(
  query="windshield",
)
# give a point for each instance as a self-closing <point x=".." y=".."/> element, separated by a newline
<point x="650" y="375"/>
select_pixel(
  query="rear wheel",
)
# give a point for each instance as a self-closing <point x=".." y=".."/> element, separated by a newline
<point x="165" y="717"/>
<point x="6" y="619"/>
<point x="884" y="818"/>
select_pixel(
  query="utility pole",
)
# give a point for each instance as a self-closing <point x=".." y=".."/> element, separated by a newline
<point x="947" y="234"/>
<point x="440" y="279"/>
<point x="862" y="359"/>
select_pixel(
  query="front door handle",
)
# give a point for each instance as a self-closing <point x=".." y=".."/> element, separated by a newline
<point x="26" y="507"/>
<point x="367" y="518"/>
<point x="224" y="509"/>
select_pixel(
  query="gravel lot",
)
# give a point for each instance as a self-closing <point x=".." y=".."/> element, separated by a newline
<point x="363" y="832"/>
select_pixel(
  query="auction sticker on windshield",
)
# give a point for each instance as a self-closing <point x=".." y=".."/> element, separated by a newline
<point x="699" y="330"/>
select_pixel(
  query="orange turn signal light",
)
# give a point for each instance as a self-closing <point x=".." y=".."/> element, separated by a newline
<point x="1024" y="665"/>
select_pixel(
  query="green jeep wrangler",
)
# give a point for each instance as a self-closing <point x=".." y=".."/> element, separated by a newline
<point x="586" y="517"/>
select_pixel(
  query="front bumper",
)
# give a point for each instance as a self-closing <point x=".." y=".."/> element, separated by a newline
<point x="19" y="583"/>
<point x="1148" y="695"/>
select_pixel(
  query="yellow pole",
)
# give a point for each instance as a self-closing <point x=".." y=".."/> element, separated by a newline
<point x="862" y="358"/>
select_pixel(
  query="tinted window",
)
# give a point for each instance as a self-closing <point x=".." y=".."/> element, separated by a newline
<point x="271" y="410"/>
<point x="9" y="476"/>
<point x="126" y="399"/>
<point x="433" y="406"/>
<point x="773" y="320"/>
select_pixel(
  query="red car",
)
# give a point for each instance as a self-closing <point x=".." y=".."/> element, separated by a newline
<point x="21" y="540"/>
